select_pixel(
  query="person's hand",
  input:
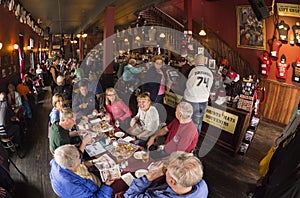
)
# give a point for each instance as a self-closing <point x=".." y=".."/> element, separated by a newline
<point x="83" y="105"/>
<point x="88" y="138"/>
<point x="155" y="172"/>
<point x="109" y="182"/>
<point x="132" y="121"/>
<point x="95" y="112"/>
<point x="150" y="141"/>
<point x="2" y="192"/>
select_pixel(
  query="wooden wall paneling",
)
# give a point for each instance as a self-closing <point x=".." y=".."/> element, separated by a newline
<point x="280" y="102"/>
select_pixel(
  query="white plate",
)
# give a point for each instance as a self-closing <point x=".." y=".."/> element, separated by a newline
<point x="90" y="116"/>
<point x="141" y="172"/>
<point x="138" y="155"/>
<point x="119" y="134"/>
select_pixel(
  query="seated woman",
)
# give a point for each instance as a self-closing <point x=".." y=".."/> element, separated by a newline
<point x="146" y="121"/>
<point x="58" y="104"/>
<point x="66" y="183"/>
<point x="14" y="100"/>
<point x="117" y="109"/>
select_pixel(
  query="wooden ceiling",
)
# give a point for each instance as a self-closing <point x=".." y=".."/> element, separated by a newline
<point x="74" y="16"/>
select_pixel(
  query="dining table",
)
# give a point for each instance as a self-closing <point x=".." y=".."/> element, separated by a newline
<point x="106" y="138"/>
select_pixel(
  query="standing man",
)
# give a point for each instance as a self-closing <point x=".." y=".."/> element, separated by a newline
<point x="197" y="90"/>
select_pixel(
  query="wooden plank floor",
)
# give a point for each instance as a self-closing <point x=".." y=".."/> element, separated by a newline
<point x="226" y="175"/>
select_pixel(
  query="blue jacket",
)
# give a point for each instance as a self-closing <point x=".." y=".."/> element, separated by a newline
<point x="67" y="184"/>
<point x="140" y="188"/>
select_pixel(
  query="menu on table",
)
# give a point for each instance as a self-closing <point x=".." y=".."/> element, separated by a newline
<point x="94" y="149"/>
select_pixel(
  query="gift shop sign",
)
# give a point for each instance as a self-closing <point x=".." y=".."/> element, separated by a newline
<point x="220" y="119"/>
<point x="286" y="9"/>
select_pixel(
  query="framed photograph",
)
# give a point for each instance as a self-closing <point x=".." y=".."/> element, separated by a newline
<point x="201" y="50"/>
<point x="212" y="64"/>
<point x="251" y="33"/>
<point x="3" y="73"/>
<point x="15" y="68"/>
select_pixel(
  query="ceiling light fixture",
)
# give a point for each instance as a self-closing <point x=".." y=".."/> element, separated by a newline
<point x="162" y="35"/>
<point x="202" y="31"/>
<point x="16" y="46"/>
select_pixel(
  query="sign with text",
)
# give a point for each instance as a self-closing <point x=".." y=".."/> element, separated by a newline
<point x="220" y="119"/>
<point x="172" y="99"/>
<point x="286" y="9"/>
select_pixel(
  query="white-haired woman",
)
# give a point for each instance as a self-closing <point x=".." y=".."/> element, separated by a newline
<point x="66" y="183"/>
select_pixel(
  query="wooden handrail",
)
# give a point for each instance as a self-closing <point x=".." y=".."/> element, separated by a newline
<point x="216" y="47"/>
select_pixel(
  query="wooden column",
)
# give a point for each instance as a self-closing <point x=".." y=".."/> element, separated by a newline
<point x="108" y="49"/>
<point x="188" y="14"/>
<point x="109" y="24"/>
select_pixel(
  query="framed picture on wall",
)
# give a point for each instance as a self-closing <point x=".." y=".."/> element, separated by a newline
<point x="3" y="73"/>
<point x="201" y="50"/>
<point x="14" y="68"/>
<point x="212" y="64"/>
<point x="251" y="33"/>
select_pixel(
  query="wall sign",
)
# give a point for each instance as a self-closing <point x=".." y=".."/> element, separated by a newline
<point x="286" y="9"/>
<point x="220" y="119"/>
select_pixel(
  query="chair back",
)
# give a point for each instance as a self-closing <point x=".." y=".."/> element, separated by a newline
<point x="2" y="131"/>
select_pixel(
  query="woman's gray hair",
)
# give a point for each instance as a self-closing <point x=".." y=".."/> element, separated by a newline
<point x="185" y="168"/>
<point x="186" y="110"/>
<point x="66" y="113"/>
<point x="66" y="156"/>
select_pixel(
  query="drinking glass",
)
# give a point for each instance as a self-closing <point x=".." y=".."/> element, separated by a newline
<point x="111" y="133"/>
<point x="145" y="156"/>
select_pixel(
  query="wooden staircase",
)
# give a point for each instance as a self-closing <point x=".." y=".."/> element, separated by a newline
<point x="215" y="46"/>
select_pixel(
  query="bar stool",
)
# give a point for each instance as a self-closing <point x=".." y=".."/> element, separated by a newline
<point x="8" y="144"/>
<point x="6" y="140"/>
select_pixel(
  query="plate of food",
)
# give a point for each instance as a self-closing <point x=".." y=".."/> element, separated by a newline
<point x="141" y="172"/>
<point x="119" y="134"/>
<point x="125" y="150"/>
<point x="138" y="155"/>
<point x="101" y="127"/>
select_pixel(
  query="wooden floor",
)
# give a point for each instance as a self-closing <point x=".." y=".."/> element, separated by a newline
<point x="226" y="175"/>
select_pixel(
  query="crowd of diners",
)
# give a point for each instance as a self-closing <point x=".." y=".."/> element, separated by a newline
<point x="76" y="95"/>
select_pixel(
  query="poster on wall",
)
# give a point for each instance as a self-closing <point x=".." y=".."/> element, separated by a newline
<point x="251" y="33"/>
<point x="3" y="73"/>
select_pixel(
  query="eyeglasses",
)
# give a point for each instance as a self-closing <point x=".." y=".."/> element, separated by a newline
<point x="110" y="94"/>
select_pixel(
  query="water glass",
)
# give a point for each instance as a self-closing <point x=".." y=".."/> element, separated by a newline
<point x="145" y="156"/>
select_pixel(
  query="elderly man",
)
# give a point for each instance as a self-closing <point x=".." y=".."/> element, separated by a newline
<point x="66" y="183"/>
<point x="60" y="133"/>
<point x="182" y="133"/>
<point x="183" y="179"/>
<point x="83" y="103"/>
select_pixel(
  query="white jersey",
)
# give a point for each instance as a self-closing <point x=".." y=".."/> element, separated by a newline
<point x="198" y="84"/>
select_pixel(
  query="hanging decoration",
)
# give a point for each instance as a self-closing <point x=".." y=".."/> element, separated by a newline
<point x="23" y="16"/>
